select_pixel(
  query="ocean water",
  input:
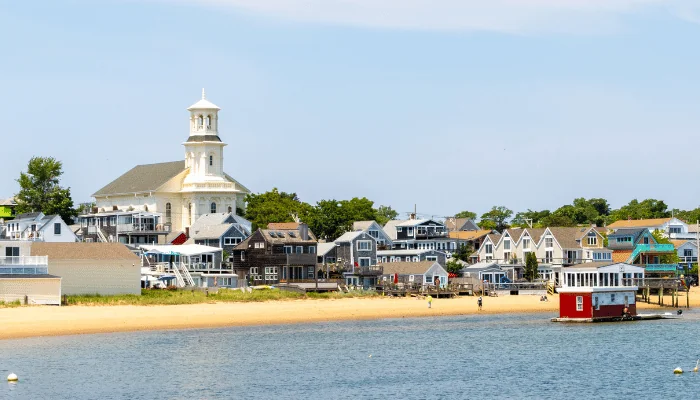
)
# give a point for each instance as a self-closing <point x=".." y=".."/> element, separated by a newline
<point x="477" y="356"/>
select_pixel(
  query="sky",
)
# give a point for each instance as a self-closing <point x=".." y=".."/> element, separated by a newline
<point x="445" y="105"/>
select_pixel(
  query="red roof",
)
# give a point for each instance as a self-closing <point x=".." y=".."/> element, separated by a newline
<point x="179" y="239"/>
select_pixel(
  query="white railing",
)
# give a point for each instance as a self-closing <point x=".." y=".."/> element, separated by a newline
<point x="178" y="277"/>
<point x="186" y="275"/>
<point x="224" y="185"/>
<point x="25" y="260"/>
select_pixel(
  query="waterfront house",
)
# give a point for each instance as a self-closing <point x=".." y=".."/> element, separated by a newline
<point x="687" y="251"/>
<point x="191" y="265"/>
<point x="376" y="231"/>
<point x="639" y="247"/>
<point x="599" y="291"/>
<point x="223" y="230"/>
<point x="356" y="256"/>
<point x="488" y="271"/>
<point x="181" y="191"/>
<point x="422" y="273"/>
<point x="415" y="255"/>
<point x="672" y="228"/>
<point x="92" y="268"/>
<point x="128" y="226"/>
<point x="420" y="234"/>
<point x="555" y="248"/>
<point x="271" y="256"/>
<point x="36" y="226"/>
<point x="471" y="238"/>
<point x="25" y="277"/>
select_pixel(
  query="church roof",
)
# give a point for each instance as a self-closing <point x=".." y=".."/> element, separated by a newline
<point x="203" y="104"/>
<point x="143" y="178"/>
<point x="204" y="138"/>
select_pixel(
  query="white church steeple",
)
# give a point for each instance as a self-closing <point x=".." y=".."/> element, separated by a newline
<point x="204" y="150"/>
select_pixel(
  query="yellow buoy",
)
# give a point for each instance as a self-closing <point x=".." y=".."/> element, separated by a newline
<point x="678" y="370"/>
<point x="696" y="366"/>
<point x="12" y="378"/>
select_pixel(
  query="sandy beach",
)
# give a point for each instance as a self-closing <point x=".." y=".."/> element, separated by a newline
<point x="46" y="321"/>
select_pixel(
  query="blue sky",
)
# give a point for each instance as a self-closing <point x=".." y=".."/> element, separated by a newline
<point x="446" y="104"/>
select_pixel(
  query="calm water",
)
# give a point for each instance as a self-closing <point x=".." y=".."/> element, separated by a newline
<point x="483" y="356"/>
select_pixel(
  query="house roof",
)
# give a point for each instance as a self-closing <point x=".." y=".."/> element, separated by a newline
<point x="456" y="224"/>
<point x="415" y="222"/>
<point x="567" y="236"/>
<point x="209" y="231"/>
<point x="495" y="237"/>
<point x="30" y="215"/>
<point x="628" y="231"/>
<point x="403" y="268"/>
<point x="286" y="237"/>
<point x="362" y="225"/>
<point x="143" y="178"/>
<point x="638" y="223"/>
<point x="480" y="265"/>
<point x="350" y="236"/>
<point x="390" y="227"/>
<point x="212" y="226"/>
<point x="323" y="248"/>
<point x="83" y="251"/>
<point x="678" y="243"/>
<point x="621" y="255"/>
<point x="8" y="202"/>
<point x="469" y="235"/>
<point x="183" y="249"/>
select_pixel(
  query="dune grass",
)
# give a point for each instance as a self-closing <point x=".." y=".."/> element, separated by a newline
<point x="174" y="297"/>
<point x="10" y="304"/>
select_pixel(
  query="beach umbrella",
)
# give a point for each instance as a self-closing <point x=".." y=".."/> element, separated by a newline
<point x="396" y="278"/>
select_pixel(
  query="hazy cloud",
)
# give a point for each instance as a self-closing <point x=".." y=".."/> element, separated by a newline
<point x="515" y="16"/>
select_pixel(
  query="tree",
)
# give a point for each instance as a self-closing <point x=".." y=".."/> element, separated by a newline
<point x="329" y="219"/>
<point x="466" y="214"/>
<point x="84" y="208"/>
<point x="40" y="190"/>
<point x="496" y="219"/>
<point x="649" y="208"/>
<point x="453" y="267"/>
<point x="274" y="206"/>
<point x="531" y="266"/>
<point x="463" y="252"/>
<point x="523" y="219"/>
<point x="385" y="214"/>
<point x="671" y="258"/>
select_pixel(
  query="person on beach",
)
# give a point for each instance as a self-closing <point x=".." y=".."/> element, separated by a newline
<point x="478" y="302"/>
<point x="430" y="301"/>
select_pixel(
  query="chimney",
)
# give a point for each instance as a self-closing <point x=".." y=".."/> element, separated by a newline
<point x="303" y="231"/>
<point x="187" y="232"/>
<point x="94" y="210"/>
<point x="115" y="208"/>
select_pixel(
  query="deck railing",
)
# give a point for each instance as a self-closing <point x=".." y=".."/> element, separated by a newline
<point x="24" y="270"/>
<point x="660" y="267"/>
<point x="24" y="260"/>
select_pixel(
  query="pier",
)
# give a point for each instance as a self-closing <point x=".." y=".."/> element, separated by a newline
<point x="654" y="291"/>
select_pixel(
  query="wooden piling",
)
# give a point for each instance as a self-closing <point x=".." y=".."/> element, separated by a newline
<point x="687" y="298"/>
<point x="661" y="295"/>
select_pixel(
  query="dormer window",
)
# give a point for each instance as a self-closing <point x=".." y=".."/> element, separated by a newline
<point x="592" y="238"/>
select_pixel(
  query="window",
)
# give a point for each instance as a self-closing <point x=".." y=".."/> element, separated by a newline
<point x="548" y="242"/>
<point x="259" y="245"/>
<point x="211" y="160"/>
<point x="213" y="208"/>
<point x="612" y="297"/>
<point x="506" y="244"/>
<point x="364" y="245"/>
<point x="399" y="229"/>
<point x="232" y="240"/>
<point x="421" y="230"/>
<point x="646" y="239"/>
<point x="623" y="239"/>
<point x="526" y="243"/>
<point x="416" y="259"/>
<point x="506" y="255"/>
<point x="168" y="213"/>
<point x="11" y="251"/>
<point x="243" y="256"/>
<point x="548" y="257"/>
<point x="288" y="249"/>
<point x="57" y="228"/>
<point x="675" y="229"/>
<point x="592" y="238"/>
<point x="364" y="261"/>
<point x="488" y="249"/>
<point x="579" y="303"/>
<point x="431" y="258"/>
<point x="300" y="249"/>
<point x="374" y="234"/>
<point x="312" y="249"/>
<point x="687" y="253"/>
<point x="112" y="221"/>
<point x="409" y="231"/>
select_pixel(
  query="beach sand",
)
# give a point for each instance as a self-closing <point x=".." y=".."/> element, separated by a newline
<point x="46" y="320"/>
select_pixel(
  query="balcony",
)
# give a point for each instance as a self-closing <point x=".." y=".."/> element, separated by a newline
<point x="24" y="265"/>
<point x="430" y="234"/>
<point x="688" y="259"/>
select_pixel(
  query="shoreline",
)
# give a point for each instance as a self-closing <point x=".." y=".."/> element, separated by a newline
<point x="36" y="321"/>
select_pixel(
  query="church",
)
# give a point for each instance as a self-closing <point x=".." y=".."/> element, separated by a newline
<point x="152" y="201"/>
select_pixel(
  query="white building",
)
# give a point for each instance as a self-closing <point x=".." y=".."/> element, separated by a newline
<point x="180" y="191"/>
<point x="36" y="226"/>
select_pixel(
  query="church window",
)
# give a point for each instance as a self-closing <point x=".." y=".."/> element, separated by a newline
<point x="211" y="160"/>
<point x="213" y="208"/>
<point x="189" y="214"/>
<point x="208" y="121"/>
<point x="168" y="213"/>
<point x="229" y="209"/>
<point x="200" y="121"/>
